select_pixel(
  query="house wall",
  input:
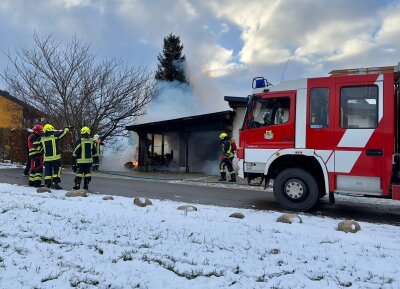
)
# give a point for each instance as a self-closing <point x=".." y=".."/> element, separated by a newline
<point x="11" y="114"/>
<point x="238" y="122"/>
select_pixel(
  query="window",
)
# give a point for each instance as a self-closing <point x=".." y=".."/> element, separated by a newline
<point x="319" y="107"/>
<point x="270" y="111"/>
<point x="359" y="106"/>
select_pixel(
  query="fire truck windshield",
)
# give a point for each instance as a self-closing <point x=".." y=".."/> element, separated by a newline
<point x="267" y="111"/>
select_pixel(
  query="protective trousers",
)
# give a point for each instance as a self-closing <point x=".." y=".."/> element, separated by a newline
<point x="95" y="163"/>
<point x="83" y="172"/>
<point x="227" y="163"/>
<point x="36" y="171"/>
<point x="52" y="172"/>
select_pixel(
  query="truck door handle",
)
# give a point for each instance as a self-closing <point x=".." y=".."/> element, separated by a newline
<point x="374" y="152"/>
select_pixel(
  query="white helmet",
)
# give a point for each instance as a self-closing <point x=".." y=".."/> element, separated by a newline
<point x="96" y="137"/>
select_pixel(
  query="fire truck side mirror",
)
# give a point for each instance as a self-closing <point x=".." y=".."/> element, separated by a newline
<point x="249" y="121"/>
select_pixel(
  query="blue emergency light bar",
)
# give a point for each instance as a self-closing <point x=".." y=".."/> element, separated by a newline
<point x="260" y="82"/>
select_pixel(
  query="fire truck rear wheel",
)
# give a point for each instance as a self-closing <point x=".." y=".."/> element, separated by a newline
<point x="296" y="190"/>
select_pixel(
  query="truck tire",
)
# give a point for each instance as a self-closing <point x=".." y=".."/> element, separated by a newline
<point x="296" y="190"/>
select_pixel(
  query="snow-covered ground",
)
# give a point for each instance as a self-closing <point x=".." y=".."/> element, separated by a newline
<point x="50" y="241"/>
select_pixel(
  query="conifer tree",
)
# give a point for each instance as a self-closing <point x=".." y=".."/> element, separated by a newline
<point x="172" y="63"/>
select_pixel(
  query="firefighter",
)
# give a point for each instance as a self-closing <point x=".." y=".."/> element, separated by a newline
<point x="35" y="156"/>
<point x="226" y="158"/>
<point x="83" y="153"/>
<point x="96" y="156"/>
<point x="28" y="163"/>
<point x="50" y="144"/>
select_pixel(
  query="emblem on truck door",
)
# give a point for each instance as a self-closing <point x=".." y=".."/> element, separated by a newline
<point x="268" y="134"/>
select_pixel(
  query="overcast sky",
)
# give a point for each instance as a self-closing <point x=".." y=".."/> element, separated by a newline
<point x="226" y="42"/>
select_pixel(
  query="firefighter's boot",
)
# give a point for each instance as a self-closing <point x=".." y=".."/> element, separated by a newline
<point x="56" y="186"/>
<point x="77" y="184"/>
<point x="223" y="177"/>
<point x="233" y="178"/>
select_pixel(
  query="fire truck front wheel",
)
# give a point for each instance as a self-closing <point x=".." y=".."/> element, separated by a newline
<point x="296" y="189"/>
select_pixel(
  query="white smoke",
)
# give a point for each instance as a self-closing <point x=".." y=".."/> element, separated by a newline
<point x="176" y="100"/>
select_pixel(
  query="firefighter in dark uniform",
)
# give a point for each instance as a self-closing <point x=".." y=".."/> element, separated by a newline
<point x="35" y="156"/>
<point x="96" y="156"/>
<point x="83" y="153"/>
<point x="52" y="155"/>
<point x="226" y="158"/>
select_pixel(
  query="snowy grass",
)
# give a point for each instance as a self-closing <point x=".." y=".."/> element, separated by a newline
<point x="49" y="241"/>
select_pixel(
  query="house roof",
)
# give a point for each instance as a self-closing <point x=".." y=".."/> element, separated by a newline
<point x="217" y="121"/>
<point x="8" y="96"/>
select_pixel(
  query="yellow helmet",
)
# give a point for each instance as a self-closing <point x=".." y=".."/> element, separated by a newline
<point x="48" y="127"/>
<point x="85" y="130"/>
<point x="223" y="135"/>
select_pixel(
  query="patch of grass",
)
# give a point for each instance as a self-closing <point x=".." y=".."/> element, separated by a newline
<point x="189" y="275"/>
<point x="98" y="249"/>
<point x="274" y="251"/>
<point x="144" y="246"/>
<point x="49" y="240"/>
<point x="51" y="277"/>
<point x="327" y="241"/>
<point x="237" y="270"/>
<point x="317" y="277"/>
<point x="126" y="256"/>
<point x="75" y="282"/>
<point x="5" y="210"/>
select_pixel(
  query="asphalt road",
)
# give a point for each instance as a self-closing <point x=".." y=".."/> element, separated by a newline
<point x="213" y="194"/>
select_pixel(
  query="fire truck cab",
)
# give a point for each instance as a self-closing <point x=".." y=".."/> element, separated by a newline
<point x="325" y="135"/>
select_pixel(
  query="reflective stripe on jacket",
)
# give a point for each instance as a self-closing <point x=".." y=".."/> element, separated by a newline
<point x="84" y="151"/>
<point x="50" y="145"/>
<point x="227" y="148"/>
<point x="97" y="148"/>
<point x="34" y="146"/>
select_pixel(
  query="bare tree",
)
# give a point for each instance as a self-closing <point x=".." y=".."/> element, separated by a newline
<point x="73" y="88"/>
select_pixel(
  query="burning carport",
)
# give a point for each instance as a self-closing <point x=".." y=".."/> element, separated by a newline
<point x="185" y="144"/>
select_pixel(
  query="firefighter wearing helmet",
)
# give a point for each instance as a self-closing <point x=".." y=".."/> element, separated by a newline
<point x="226" y="158"/>
<point x="96" y="156"/>
<point x="83" y="154"/>
<point x="50" y="144"/>
<point x="35" y="155"/>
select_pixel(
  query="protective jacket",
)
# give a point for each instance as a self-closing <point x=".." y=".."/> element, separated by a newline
<point x="227" y="148"/>
<point x="84" y="150"/>
<point x="50" y="145"/>
<point x="34" y="146"/>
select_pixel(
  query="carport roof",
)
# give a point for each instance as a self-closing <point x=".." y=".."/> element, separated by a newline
<point x="217" y="121"/>
<point x="236" y="101"/>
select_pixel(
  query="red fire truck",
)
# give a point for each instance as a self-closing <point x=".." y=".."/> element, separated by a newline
<point x="325" y="135"/>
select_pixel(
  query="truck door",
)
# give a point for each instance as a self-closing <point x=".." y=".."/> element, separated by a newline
<point x="321" y="118"/>
<point x="359" y="134"/>
<point x="272" y="122"/>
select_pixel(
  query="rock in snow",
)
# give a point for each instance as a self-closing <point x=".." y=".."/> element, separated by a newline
<point x="289" y="218"/>
<point x="187" y="208"/>
<point x="349" y="226"/>
<point x="77" y="193"/>
<point x="237" y="216"/>
<point x="43" y="190"/>
<point x="142" y="202"/>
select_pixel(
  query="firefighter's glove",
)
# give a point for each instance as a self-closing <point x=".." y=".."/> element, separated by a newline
<point x="221" y="158"/>
<point x="74" y="168"/>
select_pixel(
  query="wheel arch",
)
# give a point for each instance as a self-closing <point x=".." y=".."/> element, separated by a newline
<point x="298" y="158"/>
